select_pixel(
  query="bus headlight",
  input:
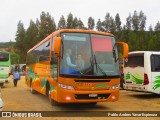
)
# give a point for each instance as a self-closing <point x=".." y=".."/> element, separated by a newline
<point x="68" y="87"/>
<point x="115" y="87"/>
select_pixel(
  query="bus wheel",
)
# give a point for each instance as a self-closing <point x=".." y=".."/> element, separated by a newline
<point x="31" y="89"/>
<point x="1" y="84"/>
<point x="53" y="102"/>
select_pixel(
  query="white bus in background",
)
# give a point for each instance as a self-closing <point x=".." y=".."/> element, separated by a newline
<point x="142" y="71"/>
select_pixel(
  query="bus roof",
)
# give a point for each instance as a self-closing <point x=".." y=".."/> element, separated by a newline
<point x="139" y="52"/>
<point x="70" y="30"/>
<point x="4" y="51"/>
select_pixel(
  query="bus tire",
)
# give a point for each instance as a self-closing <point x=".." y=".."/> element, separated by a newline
<point x="1" y="84"/>
<point x="31" y="89"/>
<point x="52" y="102"/>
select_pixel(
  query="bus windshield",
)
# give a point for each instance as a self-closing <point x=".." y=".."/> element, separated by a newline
<point x="88" y="54"/>
<point x="4" y="56"/>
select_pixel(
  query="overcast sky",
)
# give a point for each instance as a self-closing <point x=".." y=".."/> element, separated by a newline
<point x="11" y="11"/>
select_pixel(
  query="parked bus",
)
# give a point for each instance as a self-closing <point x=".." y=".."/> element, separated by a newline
<point x="96" y="78"/>
<point x="5" y="67"/>
<point x="142" y="71"/>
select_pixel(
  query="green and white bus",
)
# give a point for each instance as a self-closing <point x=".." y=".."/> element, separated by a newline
<point x="142" y="71"/>
<point x="5" y="67"/>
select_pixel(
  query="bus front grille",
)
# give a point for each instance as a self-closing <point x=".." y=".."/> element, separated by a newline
<point x="92" y="80"/>
<point x="87" y="96"/>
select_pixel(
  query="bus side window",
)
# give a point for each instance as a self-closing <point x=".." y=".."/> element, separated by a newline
<point x="155" y="63"/>
<point x="54" y="63"/>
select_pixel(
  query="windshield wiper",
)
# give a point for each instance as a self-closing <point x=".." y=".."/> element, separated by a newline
<point x="88" y="70"/>
<point x="98" y="66"/>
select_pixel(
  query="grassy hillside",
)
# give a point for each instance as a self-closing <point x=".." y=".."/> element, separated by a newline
<point x="6" y="44"/>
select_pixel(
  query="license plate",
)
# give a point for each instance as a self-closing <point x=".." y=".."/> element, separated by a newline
<point x="93" y="95"/>
<point x="134" y="88"/>
<point x="87" y="84"/>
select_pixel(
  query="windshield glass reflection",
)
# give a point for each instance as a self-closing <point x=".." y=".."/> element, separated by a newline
<point x="88" y="54"/>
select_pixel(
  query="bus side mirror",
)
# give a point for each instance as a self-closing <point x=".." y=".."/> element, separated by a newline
<point x="57" y="45"/>
<point x="125" y="48"/>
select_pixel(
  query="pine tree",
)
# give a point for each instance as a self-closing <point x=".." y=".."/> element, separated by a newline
<point x="20" y="40"/>
<point x="80" y="24"/>
<point x="31" y="37"/>
<point x="38" y="25"/>
<point x="150" y="28"/>
<point x="62" y="23"/>
<point x="75" y="23"/>
<point x="112" y="26"/>
<point x="157" y="27"/>
<point x="129" y="22"/>
<point x="135" y="21"/>
<point x="107" y="22"/>
<point x="70" y="21"/>
<point x="47" y="25"/>
<point x="118" y="23"/>
<point x="151" y="43"/>
<point x="99" y="25"/>
<point x="91" y="23"/>
<point x="142" y="21"/>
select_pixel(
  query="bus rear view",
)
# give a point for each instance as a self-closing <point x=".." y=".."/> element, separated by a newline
<point x="142" y="71"/>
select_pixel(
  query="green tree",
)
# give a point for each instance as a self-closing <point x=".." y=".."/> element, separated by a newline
<point x="142" y="21"/>
<point x="62" y="23"/>
<point x="31" y="36"/>
<point x="112" y="26"/>
<point x="75" y="23"/>
<point x="47" y="25"/>
<point x="80" y="24"/>
<point x="14" y="58"/>
<point x="129" y="22"/>
<point x="141" y="37"/>
<point x="151" y="43"/>
<point x="135" y="21"/>
<point x="132" y="38"/>
<point x="70" y="21"/>
<point x="38" y="25"/>
<point x="157" y="27"/>
<point x="99" y="25"/>
<point x="124" y="35"/>
<point x="108" y="23"/>
<point x="91" y="23"/>
<point x="118" y="23"/>
<point x="20" y="40"/>
<point x="150" y="28"/>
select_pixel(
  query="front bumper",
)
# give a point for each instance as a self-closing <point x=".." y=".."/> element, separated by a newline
<point x="75" y="96"/>
<point x="4" y="80"/>
<point x="135" y="87"/>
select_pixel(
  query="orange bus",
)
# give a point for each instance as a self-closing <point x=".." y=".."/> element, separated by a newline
<point x="75" y="66"/>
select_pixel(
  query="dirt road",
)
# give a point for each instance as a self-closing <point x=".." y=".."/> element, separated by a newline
<point x="20" y="99"/>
